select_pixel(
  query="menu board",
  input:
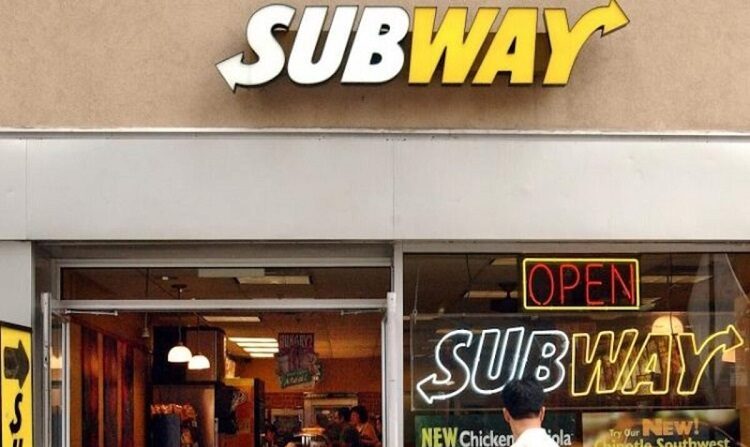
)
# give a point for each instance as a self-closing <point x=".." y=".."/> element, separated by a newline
<point x="674" y="428"/>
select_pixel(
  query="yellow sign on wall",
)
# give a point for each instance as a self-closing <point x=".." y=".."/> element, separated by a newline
<point x="15" y="386"/>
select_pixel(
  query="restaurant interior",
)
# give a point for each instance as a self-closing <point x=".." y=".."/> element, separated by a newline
<point x="219" y="378"/>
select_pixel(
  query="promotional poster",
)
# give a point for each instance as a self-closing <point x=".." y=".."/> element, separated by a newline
<point x="681" y="428"/>
<point x="297" y="362"/>
<point x="487" y="430"/>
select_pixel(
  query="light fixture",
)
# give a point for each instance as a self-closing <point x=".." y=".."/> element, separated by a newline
<point x="180" y="353"/>
<point x="146" y="333"/>
<point x="252" y="340"/>
<point x="649" y="303"/>
<point x="199" y="362"/>
<point x="257" y="347"/>
<point x="255" y="276"/>
<point x="674" y="279"/>
<point x="255" y="344"/>
<point x="505" y="261"/>
<point x="729" y="356"/>
<point x="267" y="350"/>
<point x="230" y="272"/>
<point x="667" y="325"/>
<point x="231" y="319"/>
<point x="490" y="294"/>
<point x="275" y="280"/>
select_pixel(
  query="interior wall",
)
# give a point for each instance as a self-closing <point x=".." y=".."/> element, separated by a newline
<point x="361" y="376"/>
<point x="339" y="375"/>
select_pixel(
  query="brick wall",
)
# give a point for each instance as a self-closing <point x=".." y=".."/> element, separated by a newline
<point x="284" y="401"/>
<point x="371" y="401"/>
<point x="339" y="375"/>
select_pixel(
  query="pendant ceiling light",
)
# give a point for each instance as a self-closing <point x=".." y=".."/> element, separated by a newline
<point x="146" y="333"/>
<point x="180" y="353"/>
<point x="667" y="325"/>
<point x="199" y="362"/>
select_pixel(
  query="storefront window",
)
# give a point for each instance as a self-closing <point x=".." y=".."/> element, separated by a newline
<point x="651" y="348"/>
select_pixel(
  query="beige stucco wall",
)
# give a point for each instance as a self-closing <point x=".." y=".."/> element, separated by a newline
<point x="681" y="65"/>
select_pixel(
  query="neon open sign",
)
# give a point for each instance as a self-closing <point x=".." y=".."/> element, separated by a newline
<point x="483" y="362"/>
<point x="581" y="283"/>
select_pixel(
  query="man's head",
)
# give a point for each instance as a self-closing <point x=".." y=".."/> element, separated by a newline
<point x="343" y="415"/>
<point x="359" y="415"/>
<point x="523" y="399"/>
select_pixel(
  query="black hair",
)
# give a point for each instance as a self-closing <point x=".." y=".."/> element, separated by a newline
<point x="345" y="413"/>
<point x="362" y="412"/>
<point x="523" y="398"/>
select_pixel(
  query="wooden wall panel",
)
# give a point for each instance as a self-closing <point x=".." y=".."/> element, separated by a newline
<point x="127" y="407"/>
<point x="141" y="398"/>
<point x="91" y="371"/>
<point x="76" y="386"/>
<point x="111" y="393"/>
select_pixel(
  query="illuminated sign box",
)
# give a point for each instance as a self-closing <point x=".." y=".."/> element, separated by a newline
<point x="581" y="284"/>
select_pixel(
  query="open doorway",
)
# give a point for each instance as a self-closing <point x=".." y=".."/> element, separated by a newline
<point x="269" y="377"/>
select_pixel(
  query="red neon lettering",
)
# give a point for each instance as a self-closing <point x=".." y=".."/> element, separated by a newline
<point x="551" y="284"/>
<point x="628" y="291"/>
<point x="591" y="283"/>
<point x="563" y="286"/>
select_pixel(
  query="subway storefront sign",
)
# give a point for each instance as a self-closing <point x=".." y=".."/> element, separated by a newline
<point x="377" y="54"/>
<point x="582" y="358"/>
<point x="564" y="357"/>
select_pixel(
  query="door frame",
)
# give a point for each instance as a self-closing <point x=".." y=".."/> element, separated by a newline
<point x="392" y="326"/>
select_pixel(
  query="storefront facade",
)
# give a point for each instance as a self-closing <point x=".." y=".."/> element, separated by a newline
<point x="391" y="239"/>
<point x="123" y="147"/>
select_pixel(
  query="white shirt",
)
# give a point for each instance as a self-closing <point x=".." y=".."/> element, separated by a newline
<point x="534" y="437"/>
